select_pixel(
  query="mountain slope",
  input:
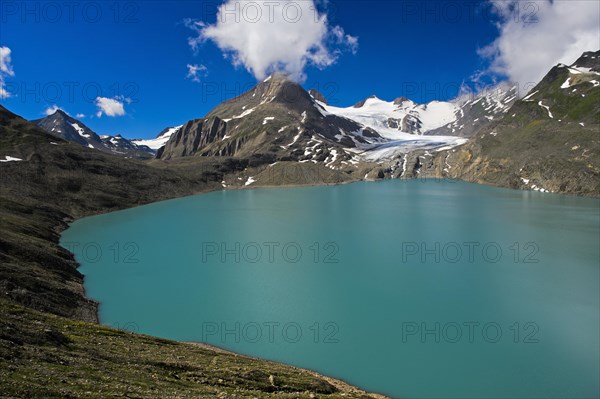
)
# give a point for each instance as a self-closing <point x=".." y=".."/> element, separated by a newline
<point x="476" y="112"/>
<point x="548" y="141"/>
<point x="279" y="121"/>
<point x="63" y="126"/>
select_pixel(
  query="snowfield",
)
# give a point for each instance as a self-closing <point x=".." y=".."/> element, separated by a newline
<point x="409" y="143"/>
<point x="160" y="141"/>
<point x="376" y="113"/>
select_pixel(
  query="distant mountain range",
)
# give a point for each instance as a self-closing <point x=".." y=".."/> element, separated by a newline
<point x="62" y="125"/>
<point x="547" y="141"/>
<point x="282" y="121"/>
<point x="279" y="121"/>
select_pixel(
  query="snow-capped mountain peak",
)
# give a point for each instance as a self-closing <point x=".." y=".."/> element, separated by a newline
<point x="61" y="125"/>
<point x="396" y="118"/>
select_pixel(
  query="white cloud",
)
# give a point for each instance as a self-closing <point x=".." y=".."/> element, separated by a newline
<point x="535" y="38"/>
<point x="111" y="106"/>
<point x="3" y="93"/>
<point x="341" y="38"/>
<point x="51" y="109"/>
<point x="267" y="36"/>
<point x="195" y="70"/>
<point x="80" y="116"/>
<point x="6" y="69"/>
<point x="5" y="62"/>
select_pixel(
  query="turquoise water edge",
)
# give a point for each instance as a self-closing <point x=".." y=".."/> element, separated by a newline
<point x="414" y="289"/>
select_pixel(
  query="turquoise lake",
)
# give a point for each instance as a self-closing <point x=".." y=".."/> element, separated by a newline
<point x="414" y="289"/>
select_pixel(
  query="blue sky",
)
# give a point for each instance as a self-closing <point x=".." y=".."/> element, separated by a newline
<point x="137" y="52"/>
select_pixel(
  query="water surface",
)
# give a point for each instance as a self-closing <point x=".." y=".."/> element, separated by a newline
<point x="418" y="289"/>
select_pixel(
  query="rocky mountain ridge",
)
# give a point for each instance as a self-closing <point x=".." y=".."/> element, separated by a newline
<point x="548" y="141"/>
<point x="62" y="125"/>
<point x="478" y="110"/>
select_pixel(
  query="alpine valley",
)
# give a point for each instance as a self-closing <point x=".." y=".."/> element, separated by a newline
<point x="543" y="141"/>
<point x="56" y="170"/>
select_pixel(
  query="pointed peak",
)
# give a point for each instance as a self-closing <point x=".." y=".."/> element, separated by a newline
<point x="279" y="86"/>
<point x="316" y="94"/>
<point x="590" y="61"/>
<point x="360" y="104"/>
<point x="400" y="100"/>
<point x="60" y="112"/>
<point x="276" y="77"/>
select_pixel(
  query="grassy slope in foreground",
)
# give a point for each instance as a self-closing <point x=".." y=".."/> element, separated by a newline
<point x="46" y="356"/>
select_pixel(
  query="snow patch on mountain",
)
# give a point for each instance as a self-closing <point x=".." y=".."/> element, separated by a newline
<point x="159" y="141"/>
<point x="547" y="109"/>
<point x="296" y="137"/>
<point x="567" y="84"/>
<point x="583" y="70"/>
<point x="8" y="158"/>
<point x="80" y="130"/>
<point x="528" y="97"/>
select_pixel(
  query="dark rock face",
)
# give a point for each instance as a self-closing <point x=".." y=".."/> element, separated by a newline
<point x="400" y="100"/>
<point x="589" y="59"/>
<point x="411" y="123"/>
<point x="195" y="134"/>
<point x="368" y="132"/>
<point x="361" y="103"/>
<point x="314" y="93"/>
